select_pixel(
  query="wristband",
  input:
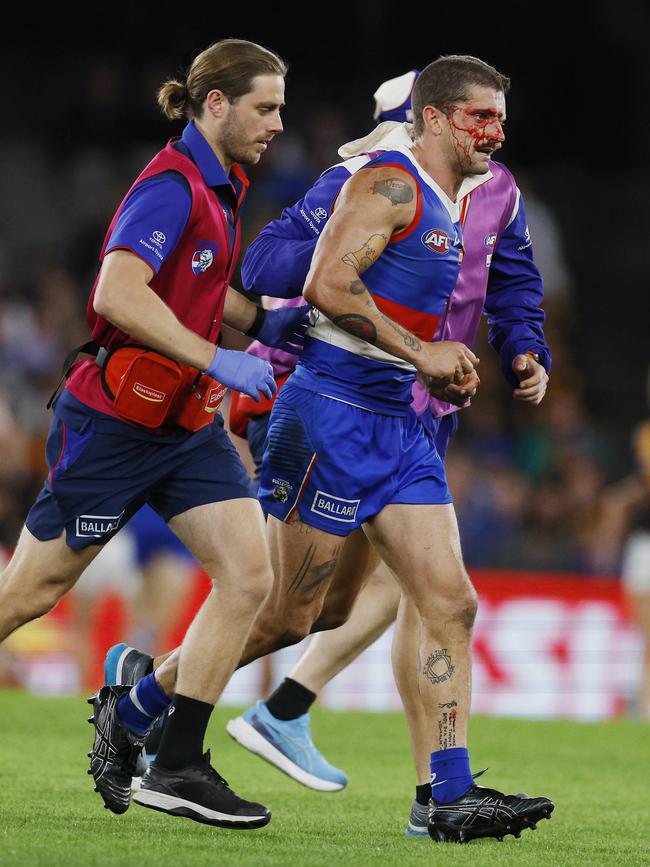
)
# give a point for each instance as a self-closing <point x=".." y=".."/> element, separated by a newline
<point x="534" y="355"/>
<point x="256" y="327"/>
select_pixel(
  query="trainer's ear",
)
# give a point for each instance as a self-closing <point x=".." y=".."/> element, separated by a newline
<point x="215" y="103"/>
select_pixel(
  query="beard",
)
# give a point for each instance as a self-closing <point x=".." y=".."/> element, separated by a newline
<point x="235" y="143"/>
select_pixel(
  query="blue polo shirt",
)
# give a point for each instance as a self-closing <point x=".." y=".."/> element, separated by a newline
<point x="155" y="213"/>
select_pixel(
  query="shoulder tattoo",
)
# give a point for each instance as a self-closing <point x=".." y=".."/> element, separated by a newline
<point x="397" y="191"/>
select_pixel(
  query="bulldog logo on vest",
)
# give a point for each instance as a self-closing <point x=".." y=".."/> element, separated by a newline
<point x="201" y="261"/>
<point x="436" y="240"/>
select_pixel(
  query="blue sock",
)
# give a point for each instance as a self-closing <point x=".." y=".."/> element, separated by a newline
<point x="450" y="774"/>
<point x="142" y="705"/>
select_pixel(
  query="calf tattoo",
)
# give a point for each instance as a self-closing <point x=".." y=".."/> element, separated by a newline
<point x="449" y="704"/>
<point x="397" y="191"/>
<point x="438" y="667"/>
<point x="447" y="730"/>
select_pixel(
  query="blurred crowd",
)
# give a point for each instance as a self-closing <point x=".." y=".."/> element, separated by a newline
<point x="530" y="484"/>
<point x="540" y="488"/>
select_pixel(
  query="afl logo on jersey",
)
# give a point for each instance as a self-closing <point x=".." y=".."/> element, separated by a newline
<point x="437" y="240"/>
<point x="490" y="240"/>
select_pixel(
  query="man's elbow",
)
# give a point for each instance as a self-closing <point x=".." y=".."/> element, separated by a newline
<point x="109" y="303"/>
<point x="316" y="291"/>
<point x="310" y="292"/>
<point x="102" y="302"/>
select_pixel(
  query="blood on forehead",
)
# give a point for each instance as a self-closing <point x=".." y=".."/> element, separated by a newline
<point x="482" y="123"/>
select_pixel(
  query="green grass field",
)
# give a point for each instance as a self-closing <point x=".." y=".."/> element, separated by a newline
<point x="597" y="774"/>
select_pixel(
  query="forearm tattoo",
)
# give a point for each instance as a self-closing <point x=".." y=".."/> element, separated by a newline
<point x="367" y="255"/>
<point x="438" y="668"/>
<point x="397" y="191"/>
<point x="357" y="325"/>
<point x="410" y="340"/>
<point x="357" y="287"/>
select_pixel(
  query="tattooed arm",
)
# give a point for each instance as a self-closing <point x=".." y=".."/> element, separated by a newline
<point x="373" y="205"/>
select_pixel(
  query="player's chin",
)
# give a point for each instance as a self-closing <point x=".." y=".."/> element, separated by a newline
<point x="481" y="163"/>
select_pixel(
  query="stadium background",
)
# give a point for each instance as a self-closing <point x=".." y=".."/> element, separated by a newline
<point x="531" y="486"/>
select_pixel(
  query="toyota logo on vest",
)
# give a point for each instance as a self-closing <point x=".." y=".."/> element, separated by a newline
<point x="437" y="240"/>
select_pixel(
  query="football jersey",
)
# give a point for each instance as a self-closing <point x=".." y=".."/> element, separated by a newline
<point x="411" y="283"/>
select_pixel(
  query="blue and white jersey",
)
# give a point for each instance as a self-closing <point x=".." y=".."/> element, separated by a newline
<point x="411" y="283"/>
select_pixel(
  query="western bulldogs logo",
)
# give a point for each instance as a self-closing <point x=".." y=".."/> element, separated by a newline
<point x="436" y="240"/>
<point x="281" y="490"/>
<point x="201" y="261"/>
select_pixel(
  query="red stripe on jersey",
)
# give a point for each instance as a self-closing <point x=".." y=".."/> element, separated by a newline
<point x="301" y="493"/>
<point x="423" y="325"/>
<point x="464" y="207"/>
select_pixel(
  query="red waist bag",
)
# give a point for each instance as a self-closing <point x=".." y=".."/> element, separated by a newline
<point x="153" y="390"/>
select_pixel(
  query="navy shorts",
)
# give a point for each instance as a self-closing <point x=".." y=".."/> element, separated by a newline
<point x="103" y="470"/>
<point x="152" y="537"/>
<point x="336" y="465"/>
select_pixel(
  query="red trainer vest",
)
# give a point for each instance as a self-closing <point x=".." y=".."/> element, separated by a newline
<point x="193" y="281"/>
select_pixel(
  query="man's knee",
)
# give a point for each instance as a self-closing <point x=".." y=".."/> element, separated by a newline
<point x="23" y="606"/>
<point x="296" y="626"/>
<point x="252" y="584"/>
<point x="331" y="618"/>
<point x="456" y="607"/>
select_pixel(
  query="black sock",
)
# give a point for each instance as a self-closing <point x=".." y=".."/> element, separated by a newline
<point x="149" y="668"/>
<point x="423" y="794"/>
<point x="290" y="700"/>
<point x="182" y="741"/>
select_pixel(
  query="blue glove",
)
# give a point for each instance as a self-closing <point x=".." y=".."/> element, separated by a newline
<point x="284" y="328"/>
<point x="243" y="372"/>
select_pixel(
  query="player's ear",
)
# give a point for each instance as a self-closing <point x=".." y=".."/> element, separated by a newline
<point x="432" y="118"/>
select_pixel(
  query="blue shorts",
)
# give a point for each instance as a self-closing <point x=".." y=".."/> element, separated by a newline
<point x="440" y="429"/>
<point x="256" y="430"/>
<point x="336" y="465"/>
<point x="103" y="470"/>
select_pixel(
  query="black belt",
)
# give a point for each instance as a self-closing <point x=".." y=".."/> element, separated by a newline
<point x="89" y="348"/>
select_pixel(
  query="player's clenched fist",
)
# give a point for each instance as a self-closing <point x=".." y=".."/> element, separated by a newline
<point x="446" y="361"/>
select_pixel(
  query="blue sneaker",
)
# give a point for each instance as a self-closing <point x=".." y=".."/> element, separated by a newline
<point x="124" y="665"/>
<point x="288" y="746"/>
<point x="418" y="821"/>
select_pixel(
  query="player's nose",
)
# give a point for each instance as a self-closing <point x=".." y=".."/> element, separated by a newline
<point x="498" y="134"/>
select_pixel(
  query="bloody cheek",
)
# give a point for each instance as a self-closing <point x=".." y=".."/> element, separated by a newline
<point x="478" y="132"/>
